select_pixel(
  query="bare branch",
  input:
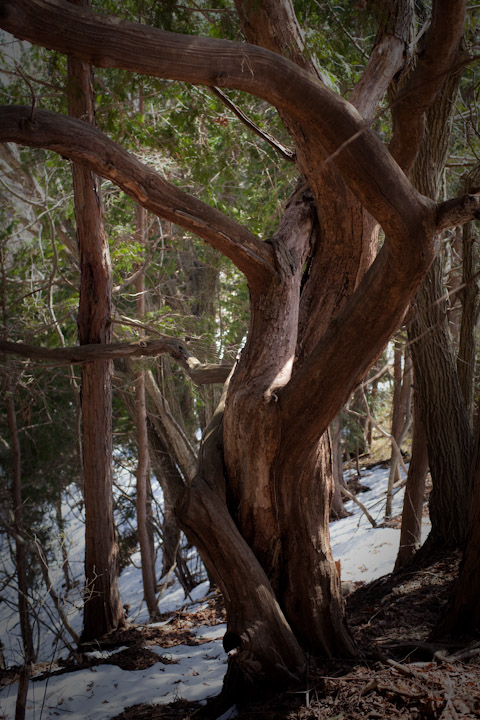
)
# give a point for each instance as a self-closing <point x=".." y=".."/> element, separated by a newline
<point x="346" y="493"/>
<point x="285" y="152"/>
<point x="201" y="373"/>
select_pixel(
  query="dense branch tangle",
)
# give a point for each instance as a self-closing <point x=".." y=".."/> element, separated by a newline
<point x="263" y="450"/>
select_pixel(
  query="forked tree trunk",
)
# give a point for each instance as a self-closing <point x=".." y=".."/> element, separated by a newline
<point x="321" y="312"/>
<point x="271" y="505"/>
<point x="103" y="610"/>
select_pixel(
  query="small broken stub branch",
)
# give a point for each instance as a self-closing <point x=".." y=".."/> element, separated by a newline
<point x="201" y="373"/>
<point x="458" y="211"/>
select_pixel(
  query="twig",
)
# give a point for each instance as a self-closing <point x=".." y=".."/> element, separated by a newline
<point x="32" y="112"/>
<point x="284" y="151"/>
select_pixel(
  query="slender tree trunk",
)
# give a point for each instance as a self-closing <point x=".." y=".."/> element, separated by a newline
<point x="411" y="530"/>
<point x="338" y="508"/>
<point x="103" y="610"/>
<point x="61" y="530"/>
<point x="443" y="411"/>
<point x="166" y="470"/>
<point x="18" y="518"/>
<point x="20" y="554"/>
<point x="143" y="461"/>
<point x="401" y="418"/>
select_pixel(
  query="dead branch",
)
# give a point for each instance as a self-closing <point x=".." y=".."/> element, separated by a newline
<point x="201" y="373"/>
<point x="362" y="507"/>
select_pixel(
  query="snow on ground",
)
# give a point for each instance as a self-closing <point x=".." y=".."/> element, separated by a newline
<point x="365" y="552"/>
<point x="102" y="692"/>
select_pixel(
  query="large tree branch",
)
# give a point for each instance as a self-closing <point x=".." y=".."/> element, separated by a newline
<point x="426" y="81"/>
<point x="201" y="373"/>
<point x="109" y="42"/>
<point x="87" y="146"/>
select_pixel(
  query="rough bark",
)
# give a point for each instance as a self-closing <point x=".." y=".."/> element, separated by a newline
<point x="102" y="610"/>
<point x="263" y="650"/>
<point x="443" y="411"/>
<point x="258" y="506"/>
<point x="201" y="373"/>
<point x="440" y="52"/>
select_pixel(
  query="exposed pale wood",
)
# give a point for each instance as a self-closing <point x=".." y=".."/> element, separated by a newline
<point x="458" y="211"/>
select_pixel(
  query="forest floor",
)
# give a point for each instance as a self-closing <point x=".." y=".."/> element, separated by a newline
<point x="180" y="662"/>
<point x="400" y="674"/>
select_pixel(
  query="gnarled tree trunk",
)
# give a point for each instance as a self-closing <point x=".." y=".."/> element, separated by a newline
<point x="324" y="302"/>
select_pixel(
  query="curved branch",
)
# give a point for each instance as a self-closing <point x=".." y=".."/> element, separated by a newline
<point x="365" y="163"/>
<point x="86" y="145"/>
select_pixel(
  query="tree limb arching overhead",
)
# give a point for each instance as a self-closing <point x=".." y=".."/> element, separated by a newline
<point x="109" y="42"/>
<point x="101" y="154"/>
